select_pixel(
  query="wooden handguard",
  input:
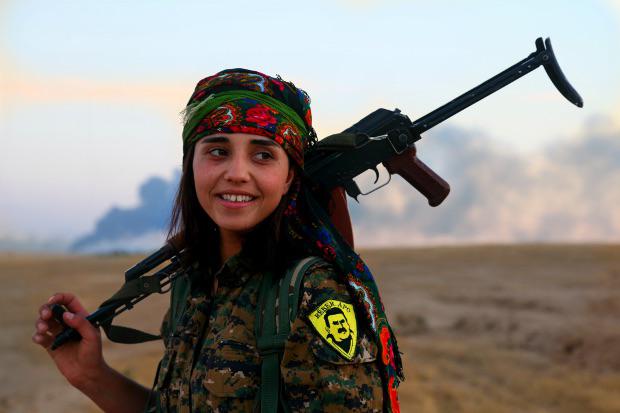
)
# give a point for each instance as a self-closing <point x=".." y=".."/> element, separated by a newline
<point x="339" y="214"/>
<point x="419" y="175"/>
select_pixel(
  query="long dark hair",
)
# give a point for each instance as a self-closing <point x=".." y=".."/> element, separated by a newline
<point x="268" y="245"/>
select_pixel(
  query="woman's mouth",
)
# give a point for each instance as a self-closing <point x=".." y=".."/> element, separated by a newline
<point x="235" y="201"/>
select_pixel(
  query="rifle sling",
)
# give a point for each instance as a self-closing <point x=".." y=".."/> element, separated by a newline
<point x="136" y="288"/>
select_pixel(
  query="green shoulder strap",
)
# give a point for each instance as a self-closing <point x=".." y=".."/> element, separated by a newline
<point x="179" y="292"/>
<point x="276" y="310"/>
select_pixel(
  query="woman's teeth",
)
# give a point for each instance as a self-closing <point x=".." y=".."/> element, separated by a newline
<point x="236" y="198"/>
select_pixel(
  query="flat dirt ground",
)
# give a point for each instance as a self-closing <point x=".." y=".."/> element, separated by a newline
<point x="506" y="328"/>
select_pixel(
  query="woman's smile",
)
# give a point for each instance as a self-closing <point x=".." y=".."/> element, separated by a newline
<point x="234" y="195"/>
<point x="236" y="201"/>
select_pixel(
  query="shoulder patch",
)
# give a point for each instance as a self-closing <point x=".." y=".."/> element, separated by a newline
<point x="336" y="324"/>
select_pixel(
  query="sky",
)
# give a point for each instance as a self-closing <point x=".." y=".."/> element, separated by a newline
<point x="90" y="92"/>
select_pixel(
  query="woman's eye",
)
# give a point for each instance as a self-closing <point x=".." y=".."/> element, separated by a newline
<point x="217" y="152"/>
<point x="263" y="156"/>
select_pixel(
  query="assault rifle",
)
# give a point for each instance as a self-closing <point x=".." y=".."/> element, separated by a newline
<point x="383" y="137"/>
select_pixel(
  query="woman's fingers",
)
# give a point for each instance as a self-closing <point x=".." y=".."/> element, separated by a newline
<point x="47" y="327"/>
<point x="46" y="321"/>
<point x="45" y="312"/>
<point x="70" y="301"/>
<point x="43" y="340"/>
<point x="82" y="325"/>
<point x="50" y="326"/>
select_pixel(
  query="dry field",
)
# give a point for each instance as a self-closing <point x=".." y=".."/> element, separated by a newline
<point x="527" y="328"/>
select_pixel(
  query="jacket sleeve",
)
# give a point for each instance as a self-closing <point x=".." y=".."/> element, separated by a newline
<point x="317" y="378"/>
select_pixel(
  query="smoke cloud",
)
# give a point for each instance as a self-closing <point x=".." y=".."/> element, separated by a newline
<point x="134" y="229"/>
<point x="567" y="192"/>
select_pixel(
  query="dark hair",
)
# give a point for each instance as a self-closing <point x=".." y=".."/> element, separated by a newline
<point x="268" y="245"/>
<point x="330" y="312"/>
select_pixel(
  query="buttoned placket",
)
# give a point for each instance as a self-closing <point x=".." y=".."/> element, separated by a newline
<point x="205" y="307"/>
<point x="199" y="319"/>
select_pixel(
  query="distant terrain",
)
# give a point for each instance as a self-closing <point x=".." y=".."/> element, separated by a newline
<point x="484" y="329"/>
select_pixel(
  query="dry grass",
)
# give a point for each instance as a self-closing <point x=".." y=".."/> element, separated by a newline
<point x="529" y="328"/>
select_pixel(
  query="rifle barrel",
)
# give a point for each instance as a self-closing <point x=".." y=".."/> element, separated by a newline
<point x="479" y="92"/>
<point x="542" y="56"/>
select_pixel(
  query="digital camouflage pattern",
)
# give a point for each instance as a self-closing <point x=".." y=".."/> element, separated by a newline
<point x="211" y="362"/>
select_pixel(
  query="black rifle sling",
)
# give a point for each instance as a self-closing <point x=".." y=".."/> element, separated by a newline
<point x="132" y="289"/>
<point x="276" y="310"/>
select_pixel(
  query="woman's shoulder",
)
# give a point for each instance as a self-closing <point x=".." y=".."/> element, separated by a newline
<point x="322" y="282"/>
<point x="321" y="274"/>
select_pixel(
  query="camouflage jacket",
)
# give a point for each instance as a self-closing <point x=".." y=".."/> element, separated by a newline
<point x="211" y="363"/>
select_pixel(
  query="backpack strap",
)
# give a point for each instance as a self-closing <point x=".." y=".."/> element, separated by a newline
<point x="276" y="310"/>
<point x="179" y="292"/>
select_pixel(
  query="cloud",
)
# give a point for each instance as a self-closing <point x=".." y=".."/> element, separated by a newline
<point x="31" y="88"/>
<point x="139" y="228"/>
<point x="568" y="192"/>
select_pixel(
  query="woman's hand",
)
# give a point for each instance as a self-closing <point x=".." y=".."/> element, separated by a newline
<point x="81" y="362"/>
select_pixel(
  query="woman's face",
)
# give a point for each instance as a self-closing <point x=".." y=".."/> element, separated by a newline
<point x="240" y="179"/>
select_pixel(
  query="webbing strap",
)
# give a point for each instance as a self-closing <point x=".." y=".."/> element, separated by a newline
<point x="293" y="280"/>
<point x="135" y="288"/>
<point x="267" y="344"/>
<point x="127" y="335"/>
<point x="146" y="285"/>
<point x="273" y="329"/>
<point x="180" y="290"/>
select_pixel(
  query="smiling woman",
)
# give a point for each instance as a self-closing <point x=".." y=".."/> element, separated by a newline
<point x="248" y="216"/>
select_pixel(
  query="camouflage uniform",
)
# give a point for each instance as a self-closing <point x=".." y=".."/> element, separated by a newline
<point x="211" y="362"/>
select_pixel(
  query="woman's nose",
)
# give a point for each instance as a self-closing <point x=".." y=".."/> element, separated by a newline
<point x="238" y="169"/>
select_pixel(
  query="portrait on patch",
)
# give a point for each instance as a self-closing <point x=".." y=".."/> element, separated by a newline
<point x="335" y="322"/>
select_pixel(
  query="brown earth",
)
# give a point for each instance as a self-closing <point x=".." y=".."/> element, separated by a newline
<point x="500" y="328"/>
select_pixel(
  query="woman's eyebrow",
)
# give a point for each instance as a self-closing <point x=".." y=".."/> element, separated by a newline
<point x="264" y="142"/>
<point x="217" y="139"/>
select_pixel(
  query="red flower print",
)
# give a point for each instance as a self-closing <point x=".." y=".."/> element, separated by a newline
<point x="329" y="253"/>
<point x="359" y="266"/>
<point x="278" y="83"/>
<point x="261" y="115"/>
<point x="289" y="133"/>
<point x="308" y="117"/>
<point x="385" y="336"/>
<point x="199" y="95"/>
<point x="249" y="129"/>
<point x="393" y="396"/>
<point x="222" y="116"/>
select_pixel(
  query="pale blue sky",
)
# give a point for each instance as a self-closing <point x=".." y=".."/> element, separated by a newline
<point x="91" y="90"/>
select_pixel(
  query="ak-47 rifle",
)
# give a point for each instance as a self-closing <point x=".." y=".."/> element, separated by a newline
<point x="384" y="136"/>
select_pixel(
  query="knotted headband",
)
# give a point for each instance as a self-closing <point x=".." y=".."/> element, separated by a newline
<point x="240" y="100"/>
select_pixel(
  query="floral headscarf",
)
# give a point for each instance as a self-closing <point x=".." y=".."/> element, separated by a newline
<point x="241" y="100"/>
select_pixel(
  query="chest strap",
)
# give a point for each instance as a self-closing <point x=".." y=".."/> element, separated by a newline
<point x="277" y="307"/>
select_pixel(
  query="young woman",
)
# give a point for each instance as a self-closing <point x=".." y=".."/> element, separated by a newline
<point x="247" y="211"/>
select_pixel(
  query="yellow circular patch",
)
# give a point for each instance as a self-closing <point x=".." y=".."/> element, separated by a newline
<point x="335" y="322"/>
